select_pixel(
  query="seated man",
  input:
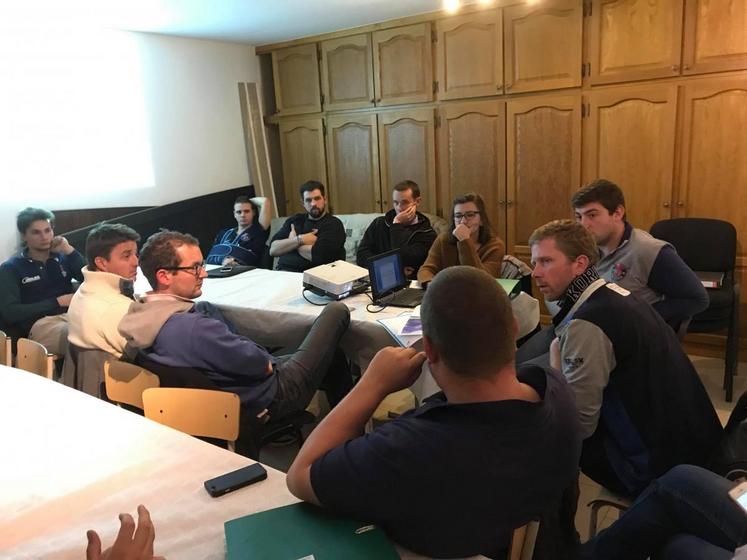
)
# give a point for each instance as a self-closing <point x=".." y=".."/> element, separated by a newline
<point x="168" y="328"/>
<point x="642" y="406"/>
<point x="453" y="478"/>
<point x="403" y="228"/>
<point x="311" y="238"/>
<point x="36" y="284"/>
<point x="630" y="257"/>
<point x="107" y="290"/>
<point x="245" y="243"/>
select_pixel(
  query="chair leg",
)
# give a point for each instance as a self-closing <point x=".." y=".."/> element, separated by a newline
<point x="593" y="515"/>
<point x="732" y="354"/>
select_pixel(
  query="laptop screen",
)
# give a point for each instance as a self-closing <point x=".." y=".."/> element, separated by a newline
<point x="386" y="274"/>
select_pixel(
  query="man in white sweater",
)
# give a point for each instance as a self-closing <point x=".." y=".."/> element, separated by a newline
<point x="107" y="290"/>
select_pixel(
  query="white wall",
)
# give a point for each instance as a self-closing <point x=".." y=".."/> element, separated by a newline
<point x="190" y="99"/>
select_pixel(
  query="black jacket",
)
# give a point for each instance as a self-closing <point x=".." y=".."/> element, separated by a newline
<point x="330" y="245"/>
<point x="414" y="241"/>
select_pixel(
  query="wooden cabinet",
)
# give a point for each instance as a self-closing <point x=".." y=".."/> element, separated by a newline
<point x="347" y="72"/>
<point x="469" y="54"/>
<point x="629" y="139"/>
<point x="713" y="156"/>
<point x="407" y="150"/>
<point x="543" y="45"/>
<point x="715" y="36"/>
<point x="634" y="39"/>
<point x="543" y="161"/>
<point x="403" y="65"/>
<point x="353" y="163"/>
<point x="302" y="149"/>
<point x="295" y="72"/>
<point x="472" y="154"/>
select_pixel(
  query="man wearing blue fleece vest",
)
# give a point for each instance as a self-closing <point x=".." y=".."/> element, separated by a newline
<point x="169" y="329"/>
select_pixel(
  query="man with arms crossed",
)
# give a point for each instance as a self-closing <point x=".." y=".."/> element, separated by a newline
<point x="36" y="284"/>
<point x="311" y="238"/>
<point x="403" y="228"/>
<point x="641" y="404"/>
<point x="455" y="477"/>
<point x="107" y="290"/>
<point x="244" y="244"/>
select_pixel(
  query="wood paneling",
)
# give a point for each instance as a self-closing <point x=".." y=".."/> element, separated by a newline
<point x="347" y="72"/>
<point x="302" y="148"/>
<point x="635" y="39"/>
<point x="472" y="153"/>
<point x="469" y="53"/>
<point x="295" y="72"/>
<point x="407" y="149"/>
<point x="528" y="30"/>
<point x="715" y="36"/>
<point x="353" y="163"/>
<point x="403" y="65"/>
<point x="543" y="163"/>
<point x="629" y="139"/>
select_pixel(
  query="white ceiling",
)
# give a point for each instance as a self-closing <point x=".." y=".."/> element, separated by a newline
<point x="256" y="22"/>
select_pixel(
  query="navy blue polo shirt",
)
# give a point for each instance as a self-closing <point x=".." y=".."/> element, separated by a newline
<point x="454" y="480"/>
<point x="29" y="288"/>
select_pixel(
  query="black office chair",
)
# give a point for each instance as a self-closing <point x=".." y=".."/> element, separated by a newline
<point x="254" y="433"/>
<point x="709" y="245"/>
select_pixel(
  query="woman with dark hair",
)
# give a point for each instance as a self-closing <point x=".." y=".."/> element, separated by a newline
<point x="471" y="241"/>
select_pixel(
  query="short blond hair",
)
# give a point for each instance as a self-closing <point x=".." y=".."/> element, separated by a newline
<point x="571" y="238"/>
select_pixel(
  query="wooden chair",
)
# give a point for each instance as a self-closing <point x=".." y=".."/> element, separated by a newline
<point x="33" y="357"/>
<point x="125" y="382"/>
<point x="523" y="541"/>
<point x="6" y="354"/>
<point x="605" y="498"/>
<point x="198" y="412"/>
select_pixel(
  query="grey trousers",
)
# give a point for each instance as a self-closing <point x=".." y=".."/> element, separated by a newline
<point x="51" y="332"/>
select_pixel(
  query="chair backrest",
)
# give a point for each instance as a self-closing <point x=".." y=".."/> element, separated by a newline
<point x="171" y="376"/>
<point x="704" y="244"/>
<point x="125" y="382"/>
<point x="6" y="354"/>
<point x="33" y="357"/>
<point x="198" y="412"/>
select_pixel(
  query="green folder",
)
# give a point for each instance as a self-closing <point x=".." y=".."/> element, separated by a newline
<point x="510" y="285"/>
<point x="304" y="532"/>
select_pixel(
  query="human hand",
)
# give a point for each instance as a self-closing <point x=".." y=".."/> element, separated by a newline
<point x="406" y="216"/>
<point x="461" y="232"/>
<point x="309" y="238"/>
<point x="126" y="546"/>
<point x="409" y="271"/>
<point x="64" y="300"/>
<point x="555" y="353"/>
<point x="293" y="234"/>
<point x="60" y="244"/>
<point x="393" y="369"/>
<point x="229" y="261"/>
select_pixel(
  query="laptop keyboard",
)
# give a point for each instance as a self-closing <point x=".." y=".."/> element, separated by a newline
<point x="408" y="297"/>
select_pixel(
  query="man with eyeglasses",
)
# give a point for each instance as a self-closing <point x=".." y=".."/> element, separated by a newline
<point x="170" y="329"/>
<point x="403" y="228"/>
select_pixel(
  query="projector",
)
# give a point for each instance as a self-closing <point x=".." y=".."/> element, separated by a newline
<point x="336" y="280"/>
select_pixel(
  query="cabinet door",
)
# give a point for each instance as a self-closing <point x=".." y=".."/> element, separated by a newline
<point x="543" y="46"/>
<point x="715" y="36"/>
<point x="407" y="149"/>
<point x="403" y="65"/>
<point x="543" y="163"/>
<point x="470" y="55"/>
<point x="472" y="154"/>
<point x="713" y="157"/>
<point x="635" y="39"/>
<point x="353" y="163"/>
<point x="347" y="72"/>
<point x="295" y="71"/>
<point x="302" y="150"/>
<point x="629" y="139"/>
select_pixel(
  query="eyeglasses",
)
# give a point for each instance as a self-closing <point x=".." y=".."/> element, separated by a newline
<point x="468" y="215"/>
<point x="195" y="269"/>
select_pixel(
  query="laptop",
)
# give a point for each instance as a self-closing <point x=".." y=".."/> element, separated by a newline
<point x="388" y="282"/>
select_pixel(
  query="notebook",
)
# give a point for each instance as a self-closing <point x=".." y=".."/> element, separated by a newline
<point x="302" y="532"/>
<point x="229" y="270"/>
<point x="388" y="282"/>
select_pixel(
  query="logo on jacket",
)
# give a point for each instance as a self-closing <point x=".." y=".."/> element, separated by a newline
<point x="572" y="364"/>
<point x="619" y="272"/>
<point x="29" y="279"/>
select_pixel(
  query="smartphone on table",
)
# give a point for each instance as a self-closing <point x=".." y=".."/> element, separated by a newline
<point x="234" y="480"/>
<point x="739" y="495"/>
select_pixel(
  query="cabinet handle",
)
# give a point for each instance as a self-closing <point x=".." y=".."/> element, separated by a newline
<point x="680" y="204"/>
<point x="675" y="68"/>
<point x="686" y="67"/>
<point x="373" y="100"/>
<point x="666" y="205"/>
<point x="501" y="202"/>
<point x="498" y="87"/>
<point x="509" y="203"/>
<point x="509" y="86"/>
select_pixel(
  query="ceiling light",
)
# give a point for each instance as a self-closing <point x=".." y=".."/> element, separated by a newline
<point x="452" y="6"/>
